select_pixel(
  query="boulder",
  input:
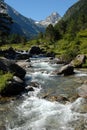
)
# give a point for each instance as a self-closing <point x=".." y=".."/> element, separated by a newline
<point x="66" y="70"/>
<point x="10" y="66"/>
<point x="14" y="87"/>
<point x="35" y="50"/>
<point x="82" y="91"/>
<point x="78" y="61"/>
<point x="22" y="56"/>
<point x="9" y="53"/>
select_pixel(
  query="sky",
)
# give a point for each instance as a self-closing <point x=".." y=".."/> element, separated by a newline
<point x="40" y="9"/>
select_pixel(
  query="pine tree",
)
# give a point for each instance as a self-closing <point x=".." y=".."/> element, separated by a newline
<point x="50" y="33"/>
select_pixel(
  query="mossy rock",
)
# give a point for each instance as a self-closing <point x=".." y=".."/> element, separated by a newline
<point x="78" y="61"/>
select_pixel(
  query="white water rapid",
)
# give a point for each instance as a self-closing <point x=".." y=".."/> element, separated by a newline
<point x="31" y="112"/>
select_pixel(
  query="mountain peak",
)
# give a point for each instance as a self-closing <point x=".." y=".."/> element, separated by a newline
<point x="55" y="14"/>
<point x="51" y="19"/>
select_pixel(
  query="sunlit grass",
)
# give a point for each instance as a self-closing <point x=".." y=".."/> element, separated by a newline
<point x="4" y="78"/>
<point x="20" y="46"/>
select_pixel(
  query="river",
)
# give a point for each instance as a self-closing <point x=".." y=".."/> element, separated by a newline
<point x="32" y="112"/>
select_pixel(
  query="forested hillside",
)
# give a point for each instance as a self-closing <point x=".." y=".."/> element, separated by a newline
<point x="69" y="36"/>
<point x="75" y="19"/>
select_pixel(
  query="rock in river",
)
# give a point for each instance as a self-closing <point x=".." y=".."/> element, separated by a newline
<point x="10" y="66"/>
<point x="82" y="91"/>
<point x="14" y="87"/>
<point x="65" y="70"/>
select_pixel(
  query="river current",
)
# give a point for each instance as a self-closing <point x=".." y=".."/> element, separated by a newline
<point x="32" y="112"/>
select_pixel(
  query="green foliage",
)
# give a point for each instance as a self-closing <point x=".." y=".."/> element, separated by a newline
<point x="85" y="64"/>
<point x="4" y="78"/>
<point x="74" y="20"/>
<point x="69" y="36"/>
<point x="51" y="34"/>
<point x="16" y="38"/>
<point x="82" y="34"/>
<point x="40" y="35"/>
<point x="61" y="27"/>
<point x="21" y="46"/>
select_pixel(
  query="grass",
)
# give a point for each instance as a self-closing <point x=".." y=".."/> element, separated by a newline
<point x="19" y="46"/>
<point x="61" y="47"/>
<point x="4" y="78"/>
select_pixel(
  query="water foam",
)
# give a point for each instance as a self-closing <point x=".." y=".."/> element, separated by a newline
<point x="40" y="114"/>
<point x="35" y="113"/>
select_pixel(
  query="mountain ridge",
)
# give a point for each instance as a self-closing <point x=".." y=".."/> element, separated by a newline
<point x="23" y="25"/>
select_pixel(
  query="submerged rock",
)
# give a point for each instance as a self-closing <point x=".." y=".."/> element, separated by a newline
<point x="60" y="98"/>
<point x="53" y="98"/>
<point x="29" y="88"/>
<point x="35" y="84"/>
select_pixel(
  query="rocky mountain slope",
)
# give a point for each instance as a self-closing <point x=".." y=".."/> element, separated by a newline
<point x="51" y="19"/>
<point x="22" y="25"/>
<point x="27" y="26"/>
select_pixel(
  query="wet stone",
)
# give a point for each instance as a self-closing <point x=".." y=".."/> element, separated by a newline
<point x="82" y="91"/>
<point x="29" y="88"/>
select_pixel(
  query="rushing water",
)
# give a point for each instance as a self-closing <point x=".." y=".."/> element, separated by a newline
<point x="31" y="112"/>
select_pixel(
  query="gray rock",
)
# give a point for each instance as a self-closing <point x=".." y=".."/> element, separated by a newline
<point x="22" y="57"/>
<point x="66" y="70"/>
<point x="34" y="50"/>
<point x="14" y="87"/>
<point x="17" y="79"/>
<point x="78" y="61"/>
<point x="10" y="66"/>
